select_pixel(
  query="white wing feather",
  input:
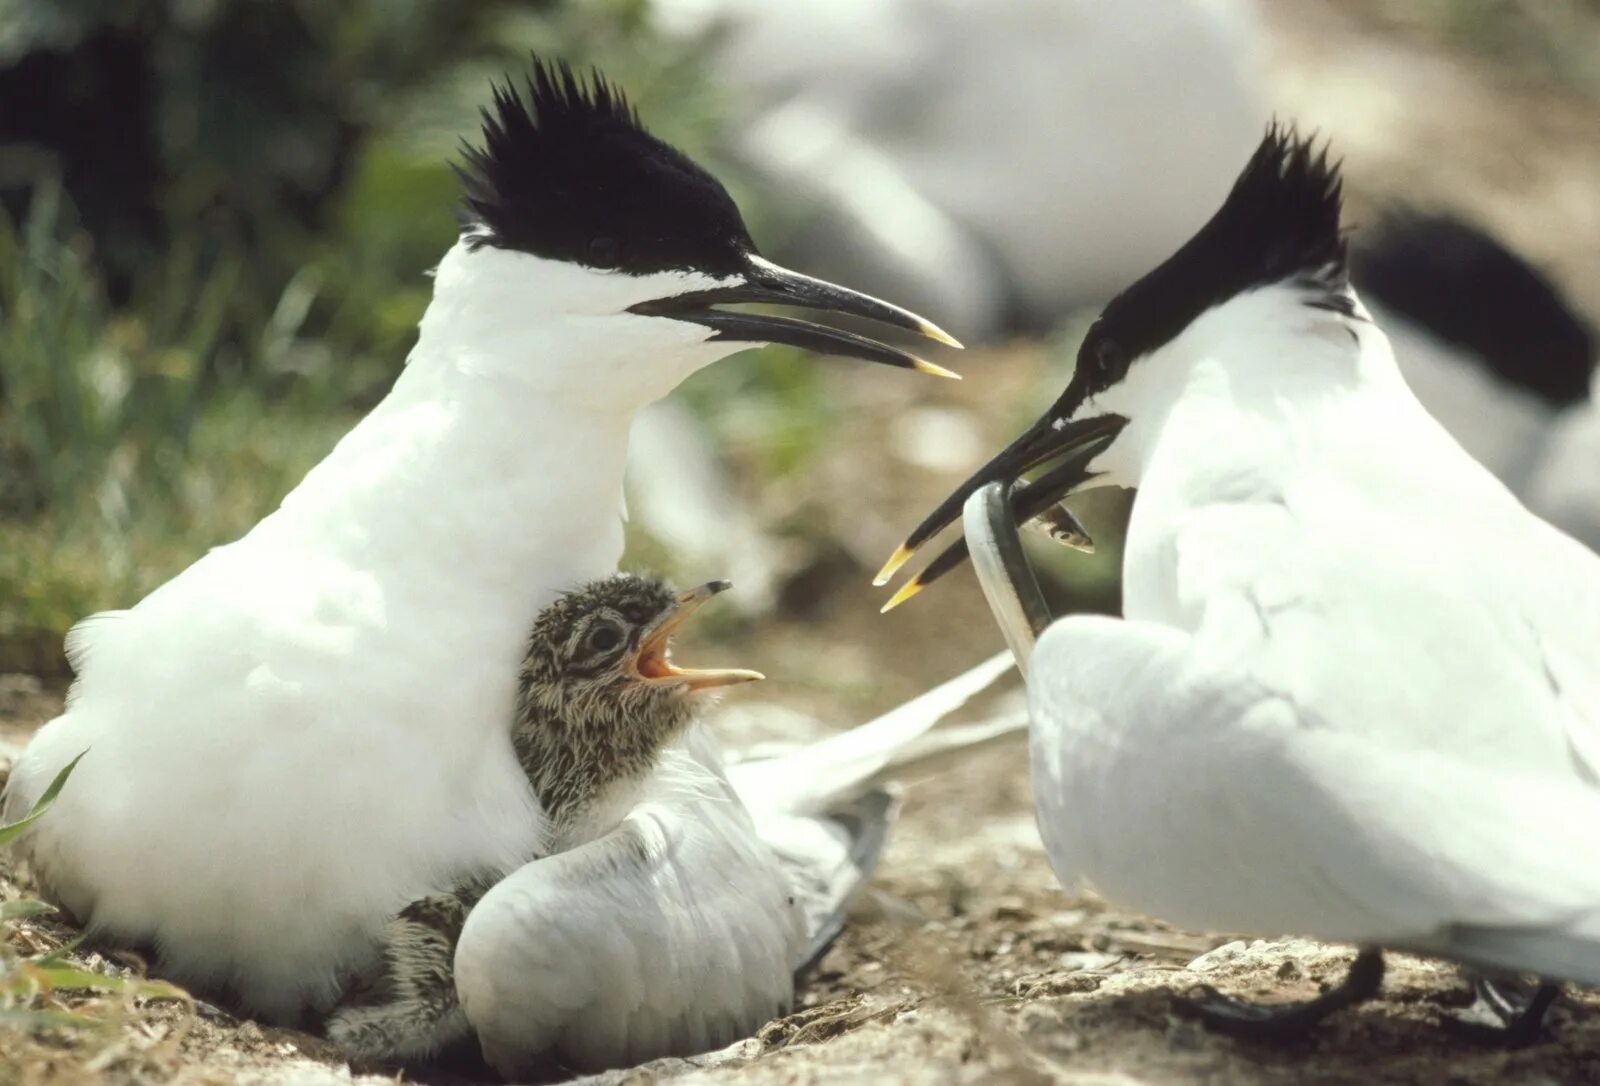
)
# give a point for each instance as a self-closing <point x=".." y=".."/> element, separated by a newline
<point x="1186" y="787"/>
<point x="810" y="779"/>
<point x="675" y="933"/>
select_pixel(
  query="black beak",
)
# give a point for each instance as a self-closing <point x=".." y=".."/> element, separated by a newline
<point x="1071" y="445"/>
<point x="767" y="283"/>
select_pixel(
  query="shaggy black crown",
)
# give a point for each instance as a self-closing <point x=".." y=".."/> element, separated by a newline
<point x="1280" y="222"/>
<point x="569" y="173"/>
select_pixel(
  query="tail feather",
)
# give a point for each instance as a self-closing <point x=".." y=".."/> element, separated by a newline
<point x="815" y="778"/>
<point x="1550" y="953"/>
<point x="823" y="808"/>
<point x="865" y="824"/>
<point x="943" y="749"/>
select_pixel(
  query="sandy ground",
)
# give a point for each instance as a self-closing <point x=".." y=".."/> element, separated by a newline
<point x="967" y="963"/>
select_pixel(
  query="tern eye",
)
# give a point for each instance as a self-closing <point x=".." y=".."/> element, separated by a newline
<point x="1109" y="355"/>
<point x="603" y="638"/>
<point x="603" y="252"/>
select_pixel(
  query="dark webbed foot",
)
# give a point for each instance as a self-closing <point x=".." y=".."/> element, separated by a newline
<point x="1520" y="1014"/>
<point x="1284" y="1021"/>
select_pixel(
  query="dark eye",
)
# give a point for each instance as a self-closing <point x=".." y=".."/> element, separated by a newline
<point x="603" y="638"/>
<point x="1108" y="354"/>
<point x="603" y="252"/>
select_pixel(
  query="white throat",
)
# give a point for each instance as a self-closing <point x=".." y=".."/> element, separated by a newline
<point x="1264" y="360"/>
<point x="562" y="330"/>
<point x="490" y="478"/>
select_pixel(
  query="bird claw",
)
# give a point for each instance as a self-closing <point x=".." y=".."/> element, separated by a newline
<point x="1281" y="1021"/>
<point x="1249" y="1021"/>
<point x="1520" y="1016"/>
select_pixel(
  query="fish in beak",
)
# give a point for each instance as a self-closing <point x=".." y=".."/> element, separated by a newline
<point x="767" y="283"/>
<point x="653" y="664"/>
<point x="1060" y="444"/>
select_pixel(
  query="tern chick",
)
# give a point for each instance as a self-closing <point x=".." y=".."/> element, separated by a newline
<point x="598" y="700"/>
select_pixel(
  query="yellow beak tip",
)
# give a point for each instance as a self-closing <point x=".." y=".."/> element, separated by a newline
<point x="939" y="335"/>
<point x="902" y="554"/>
<point x="907" y="590"/>
<point x="924" y="366"/>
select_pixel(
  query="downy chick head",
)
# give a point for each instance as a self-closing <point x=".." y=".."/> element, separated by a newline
<point x="1270" y="265"/>
<point x="599" y="696"/>
<point x="592" y="256"/>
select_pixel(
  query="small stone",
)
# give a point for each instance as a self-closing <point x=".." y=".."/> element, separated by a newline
<point x="1074" y="961"/>
<point x="1012" y="910"/>
<point x="1222" y="955"/>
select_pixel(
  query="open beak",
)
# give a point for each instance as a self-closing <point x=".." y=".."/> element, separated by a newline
<point x="654" y="662"/>
<point x="1068" y="447"/>
<point x="768" y="283"/>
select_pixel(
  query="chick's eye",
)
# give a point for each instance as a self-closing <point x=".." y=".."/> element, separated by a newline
<point x="603" y="252"/>
<point x="603" y="638"/>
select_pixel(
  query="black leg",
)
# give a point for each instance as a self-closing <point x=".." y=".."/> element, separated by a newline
<point x="1521" y="1016"/>
<point x="1284" y="1021"/>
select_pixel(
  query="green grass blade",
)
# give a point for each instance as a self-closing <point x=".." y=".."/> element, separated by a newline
<point x="24" y="908"/>
<point x="16" y="829"/>
<point x="70" y="978"/>
<point x="59" y="954"/>
<point x="18" y="1018"/>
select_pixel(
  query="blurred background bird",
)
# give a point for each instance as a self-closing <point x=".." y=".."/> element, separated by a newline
<point x="218" y="223"/>
<point x="1496" y="353"/>
<point x="998" y="191"/>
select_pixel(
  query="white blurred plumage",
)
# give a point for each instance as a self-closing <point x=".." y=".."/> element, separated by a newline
<point x="1496" y="354"/>
<point x="1010" y="157"/>
<point x="1562" y="487"/>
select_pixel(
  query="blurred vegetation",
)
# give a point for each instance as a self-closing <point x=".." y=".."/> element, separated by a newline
<point x="216" y="219"/>
<point x="50" y="988"/>
<point x="1539" y="42"/>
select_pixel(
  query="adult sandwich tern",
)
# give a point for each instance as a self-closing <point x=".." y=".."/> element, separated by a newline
<point x="351" y="661"/>
<point x="1354" y="692"/>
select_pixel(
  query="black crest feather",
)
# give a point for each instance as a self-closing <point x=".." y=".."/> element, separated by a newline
<point x="1279" y="223"/>
<point x="1465" y="287"/>
<point x="568" y="172"/>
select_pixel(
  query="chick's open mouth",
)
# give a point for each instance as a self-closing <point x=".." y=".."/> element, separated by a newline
<point x="654" y="661"/>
